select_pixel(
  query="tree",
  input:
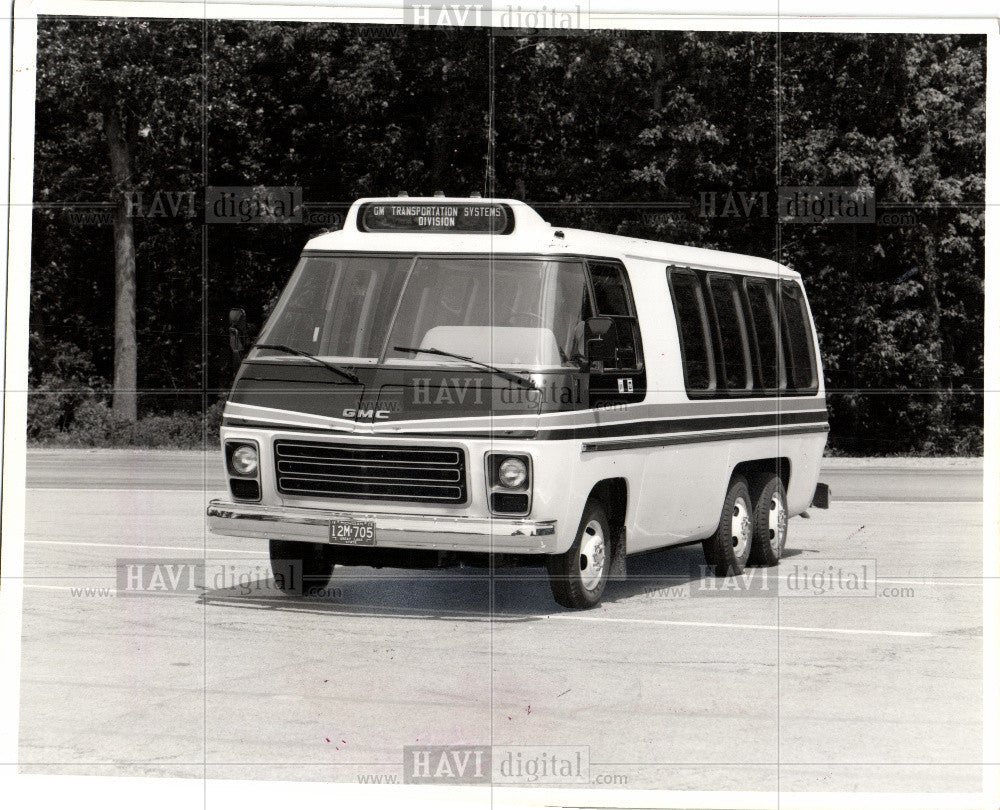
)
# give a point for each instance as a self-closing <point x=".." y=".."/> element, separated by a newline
<point x="134" y="84"/>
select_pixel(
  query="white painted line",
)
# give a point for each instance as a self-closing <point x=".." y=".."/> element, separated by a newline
<point x="783" y="627"/>
<point x="110" y="586"/>
<point x="141" y="547"/>
<point x="834" y="501"/>
<point x="220" y="490"/>
<point x="978" y="583"/>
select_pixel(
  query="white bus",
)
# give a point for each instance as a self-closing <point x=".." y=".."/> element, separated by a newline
<point x="456" y="381"/>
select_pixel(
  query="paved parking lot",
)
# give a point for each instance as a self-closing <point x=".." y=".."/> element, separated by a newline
<point x="794" y="681"/>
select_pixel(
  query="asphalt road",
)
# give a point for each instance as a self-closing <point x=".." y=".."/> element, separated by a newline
<point x="665" y="686"/>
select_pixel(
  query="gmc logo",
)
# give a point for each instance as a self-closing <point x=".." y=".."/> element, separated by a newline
<point x="365" y="413"/>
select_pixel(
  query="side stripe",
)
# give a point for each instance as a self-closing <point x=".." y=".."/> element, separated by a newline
<point x="699" y="438"/>
<point x="653" y="429"/>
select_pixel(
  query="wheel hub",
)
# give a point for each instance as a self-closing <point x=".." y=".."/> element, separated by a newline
<point x="742" y="527"/>
<point x="592" y="555"/>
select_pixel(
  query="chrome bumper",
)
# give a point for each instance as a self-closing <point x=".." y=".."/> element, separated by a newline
<point x="393" y="530"/>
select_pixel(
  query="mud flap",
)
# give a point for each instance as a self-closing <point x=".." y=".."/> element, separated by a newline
<point x="617" y="570"/>
<point x="821" y="498"/>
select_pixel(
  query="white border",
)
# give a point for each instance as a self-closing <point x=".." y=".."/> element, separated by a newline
<point x="44" y="791"/>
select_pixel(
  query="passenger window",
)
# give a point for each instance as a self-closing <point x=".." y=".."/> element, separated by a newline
<point x="612" y="297"/>
<point x="693" y="330"/>
<point x="764" y="317"/>
<point x="734" y="346"/>
<point x="610" y="291"/>
<point x="798" y="338"/>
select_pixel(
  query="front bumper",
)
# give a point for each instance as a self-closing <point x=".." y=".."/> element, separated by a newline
<point x="393" y="530"/>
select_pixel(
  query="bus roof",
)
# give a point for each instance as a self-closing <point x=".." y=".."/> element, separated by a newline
<point x="505" y="226"/>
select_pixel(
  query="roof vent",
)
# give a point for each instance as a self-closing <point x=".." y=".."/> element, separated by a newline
<point x="403" y="194"/>
<point x="475" y="195"/>
<point x="438" y="193"/>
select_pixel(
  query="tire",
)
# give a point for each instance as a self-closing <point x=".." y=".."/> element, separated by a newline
<point x="301" y="568"/>
<point x="770" y="520"/>
<point x="579" y="576"/>
<point x="728" y="550"/>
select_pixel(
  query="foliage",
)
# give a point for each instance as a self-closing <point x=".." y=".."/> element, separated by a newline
<point x="622" y="131"/>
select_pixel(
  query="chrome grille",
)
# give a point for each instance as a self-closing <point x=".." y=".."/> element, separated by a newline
<point x="370" y="472"/>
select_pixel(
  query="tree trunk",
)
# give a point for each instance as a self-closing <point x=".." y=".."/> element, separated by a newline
<point x="124" y="399"/>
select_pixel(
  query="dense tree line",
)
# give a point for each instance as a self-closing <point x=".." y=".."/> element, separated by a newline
<point x="683" y="137"/>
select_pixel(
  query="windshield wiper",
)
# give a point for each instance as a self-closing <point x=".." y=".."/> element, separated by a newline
<point x="507" y="375"/>
<point x="279" y="347"/>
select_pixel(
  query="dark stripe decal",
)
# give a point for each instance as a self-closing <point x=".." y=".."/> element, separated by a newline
<point x="658" y="426"/>
<point x="698" y="438"/>
<point x="654" y="428"/>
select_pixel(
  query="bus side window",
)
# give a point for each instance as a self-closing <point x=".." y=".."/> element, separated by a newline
<point x="798" y="338"/>
<point x="610" y="293"/>
<point x="733" y="345"/>
<point x="612" y="297"/>
<point x="693" y="331"/>
<point x="764" y="319"/>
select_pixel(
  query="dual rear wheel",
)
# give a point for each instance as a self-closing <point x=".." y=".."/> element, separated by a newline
<point x="753" y="526"/>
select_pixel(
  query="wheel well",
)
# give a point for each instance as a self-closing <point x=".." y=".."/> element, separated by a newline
<point x="783" y="467"/>
<point x="613" y="493"/>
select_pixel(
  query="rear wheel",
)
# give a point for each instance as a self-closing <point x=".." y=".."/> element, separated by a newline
<point x="770" y="520"/>
<point x="728" y="549"/>
<point x="301" y="568"/>
<point x="579" y="576"/>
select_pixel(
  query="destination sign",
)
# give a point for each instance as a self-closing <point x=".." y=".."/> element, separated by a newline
<point x="443" y="217"/>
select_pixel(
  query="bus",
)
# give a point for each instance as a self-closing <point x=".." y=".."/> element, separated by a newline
<point x="454" y="381"/>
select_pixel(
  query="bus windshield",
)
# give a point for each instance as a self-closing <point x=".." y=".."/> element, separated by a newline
<point x="525" y="313"/>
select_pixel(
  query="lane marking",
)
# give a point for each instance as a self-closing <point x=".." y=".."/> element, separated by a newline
<point x="869" y="501"/>
<point x="981" y="582"/>
<point x="221" y="490"/>
<point x="790" y="628"/>
<point x="140" y="547"/>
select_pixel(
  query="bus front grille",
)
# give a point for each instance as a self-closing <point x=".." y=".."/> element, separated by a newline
<point x="370" y="472"/>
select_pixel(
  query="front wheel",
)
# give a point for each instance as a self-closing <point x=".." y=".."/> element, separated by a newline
<point x="301" y="568"/>
<point x="578" y="577"/>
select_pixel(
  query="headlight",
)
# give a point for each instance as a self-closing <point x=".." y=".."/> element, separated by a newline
<point x="512" y="473"/>
<point x="244" y="460"/>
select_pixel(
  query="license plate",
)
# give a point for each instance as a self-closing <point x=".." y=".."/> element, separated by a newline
<point x="352" y="532"/>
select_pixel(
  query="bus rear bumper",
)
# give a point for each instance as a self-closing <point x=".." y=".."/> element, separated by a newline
<point x="392" y="530"/>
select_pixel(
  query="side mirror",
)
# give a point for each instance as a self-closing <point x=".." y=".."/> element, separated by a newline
<point x="601" y="341"/>
<point x="237" y="335"/>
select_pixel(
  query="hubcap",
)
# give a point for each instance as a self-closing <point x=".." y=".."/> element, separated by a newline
<point x="777" y="523"/>
<point x="742" y="527"/>
<point x="592" y="555"/>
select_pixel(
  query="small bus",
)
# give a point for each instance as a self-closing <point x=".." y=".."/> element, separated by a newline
<point x="454" y="381"/>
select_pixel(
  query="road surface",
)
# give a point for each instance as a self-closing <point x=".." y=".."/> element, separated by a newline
<point x="667" y="685"/>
